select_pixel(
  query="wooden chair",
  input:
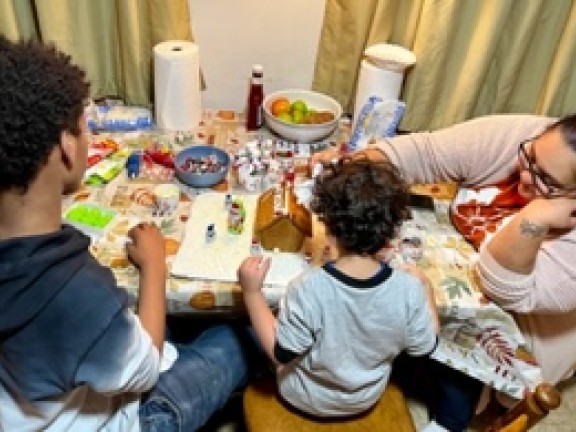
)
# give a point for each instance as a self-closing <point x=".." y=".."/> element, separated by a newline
<point x="529" y="411"/>
<point x="264" y="411"/>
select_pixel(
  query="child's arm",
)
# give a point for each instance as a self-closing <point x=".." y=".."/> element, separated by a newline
<point x="147" y="252"/>
<point x="251" y="274"/>
<point x="417" y="272"/>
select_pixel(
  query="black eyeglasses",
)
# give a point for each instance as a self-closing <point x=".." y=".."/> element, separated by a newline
<point x="547" y="185"/>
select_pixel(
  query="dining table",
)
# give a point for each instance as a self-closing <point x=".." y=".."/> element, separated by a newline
<point x="476" y="336"/>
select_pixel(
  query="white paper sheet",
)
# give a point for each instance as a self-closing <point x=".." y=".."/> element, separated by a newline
<point x="220" y="258"/>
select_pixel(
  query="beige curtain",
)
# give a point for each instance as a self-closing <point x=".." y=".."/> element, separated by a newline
<point x="17" y="19"/>
<point x="111" y="39"/>
<point x="474" y="57"/>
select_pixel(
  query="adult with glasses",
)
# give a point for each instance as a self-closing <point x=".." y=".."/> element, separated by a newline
<point x="517" y="204"/>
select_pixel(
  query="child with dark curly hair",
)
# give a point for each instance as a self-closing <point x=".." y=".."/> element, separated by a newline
<point x="73" y="354"/>
<point x="340" y="326"/>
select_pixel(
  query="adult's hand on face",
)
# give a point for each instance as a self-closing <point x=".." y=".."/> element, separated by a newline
<point x="553" y="213"/>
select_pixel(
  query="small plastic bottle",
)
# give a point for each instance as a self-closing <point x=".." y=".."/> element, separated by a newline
<point x="210" y="233"/>
<point x="228" y="202"/>
<point x="255" y="98"/>
<point x="255" y="247"/>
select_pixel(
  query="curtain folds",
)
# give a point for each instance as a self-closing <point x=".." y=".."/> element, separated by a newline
<point x="17" y="19"/>
<point x="474" y="57"/>
<point x="111" y="39"/>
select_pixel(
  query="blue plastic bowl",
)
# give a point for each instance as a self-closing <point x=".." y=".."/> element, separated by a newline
<point x="201" y="180"/>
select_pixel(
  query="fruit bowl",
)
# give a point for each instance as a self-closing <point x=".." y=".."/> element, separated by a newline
<point x="201" y="166"/>
<point x="301" y="132"/>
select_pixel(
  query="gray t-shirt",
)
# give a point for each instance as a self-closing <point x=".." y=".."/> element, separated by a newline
<point x="347" y="332"/>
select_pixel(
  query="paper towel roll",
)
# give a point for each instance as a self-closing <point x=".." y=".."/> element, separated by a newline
<point x="375" y="81"/>
<point x="177" y="85"/>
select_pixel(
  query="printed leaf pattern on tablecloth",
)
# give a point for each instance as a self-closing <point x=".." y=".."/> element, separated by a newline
<point x="455" y="287"/>
<point x="497" y="347"/>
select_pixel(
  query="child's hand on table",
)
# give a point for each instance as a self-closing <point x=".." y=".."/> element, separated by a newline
<point x="146" y="249"/>
<point x="252" y="272"/>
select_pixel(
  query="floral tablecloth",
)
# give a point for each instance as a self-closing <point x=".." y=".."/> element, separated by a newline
<point x="476" y="337"/>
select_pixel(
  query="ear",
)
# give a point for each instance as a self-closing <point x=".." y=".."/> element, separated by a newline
<point x="384" y="254"/>
<point x="69" y="149"/>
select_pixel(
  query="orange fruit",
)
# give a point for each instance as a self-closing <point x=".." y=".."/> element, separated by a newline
<point x="280" y="106"/>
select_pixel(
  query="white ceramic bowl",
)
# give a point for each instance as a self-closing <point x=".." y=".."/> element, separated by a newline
<point x="303" y="132"/>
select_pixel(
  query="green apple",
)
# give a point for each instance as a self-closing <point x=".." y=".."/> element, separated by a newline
<point x="298" y="116"/>
<point x="285" y="117"/>
<point x="299" y="105"/>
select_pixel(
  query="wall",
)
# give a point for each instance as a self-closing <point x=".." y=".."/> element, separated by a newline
<point x="232" y="35"/>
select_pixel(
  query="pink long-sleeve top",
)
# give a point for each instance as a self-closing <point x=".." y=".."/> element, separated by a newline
<point x="481" y="153"/>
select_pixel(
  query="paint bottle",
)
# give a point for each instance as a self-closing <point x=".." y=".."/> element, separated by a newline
<point x="210" y="233"/>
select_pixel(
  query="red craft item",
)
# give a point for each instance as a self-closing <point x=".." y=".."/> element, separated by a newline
<point x="159" y="157"/>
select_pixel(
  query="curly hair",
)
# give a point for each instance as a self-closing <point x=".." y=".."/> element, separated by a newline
<point x="567" y="127"/>
<point x="42" y="94"/>
<point x="362" y="203"/>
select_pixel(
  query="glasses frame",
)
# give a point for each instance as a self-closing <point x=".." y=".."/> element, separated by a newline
<point x="546" y="184"/>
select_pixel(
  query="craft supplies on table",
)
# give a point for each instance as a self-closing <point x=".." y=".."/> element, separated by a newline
<point x="473" y="328"/>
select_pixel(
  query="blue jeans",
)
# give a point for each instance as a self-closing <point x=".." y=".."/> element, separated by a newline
<point x="451" y="396"/>
<point x="457" y="397"/>
<point x="199" y="383"/>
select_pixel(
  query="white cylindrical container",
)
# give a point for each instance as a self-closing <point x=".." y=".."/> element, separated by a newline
<point x="381" y="74"/>
<point x="177" y="98"/>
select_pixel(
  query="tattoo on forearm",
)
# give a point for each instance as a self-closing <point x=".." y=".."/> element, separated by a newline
<point x="531" y="229"/>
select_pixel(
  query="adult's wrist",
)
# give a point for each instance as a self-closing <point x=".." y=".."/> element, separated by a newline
<point x="375" y="153"/>
<point x="531" y="223"/>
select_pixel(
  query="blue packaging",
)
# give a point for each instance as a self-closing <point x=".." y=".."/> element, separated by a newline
<point x="378" y="119"/>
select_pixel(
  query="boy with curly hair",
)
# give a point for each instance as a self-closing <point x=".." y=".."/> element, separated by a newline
<point x="73" y="354"/>
<point x="356" y="301"/>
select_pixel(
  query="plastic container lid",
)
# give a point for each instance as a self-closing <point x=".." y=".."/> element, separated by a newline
<point x="90" y="218"/>
<point x="390" y="57"/>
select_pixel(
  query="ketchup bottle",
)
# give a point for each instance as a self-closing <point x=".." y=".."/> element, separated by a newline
<point x="255" y="98"/>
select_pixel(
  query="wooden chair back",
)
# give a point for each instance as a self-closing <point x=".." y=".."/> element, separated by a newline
<point x="529" y="411"/>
